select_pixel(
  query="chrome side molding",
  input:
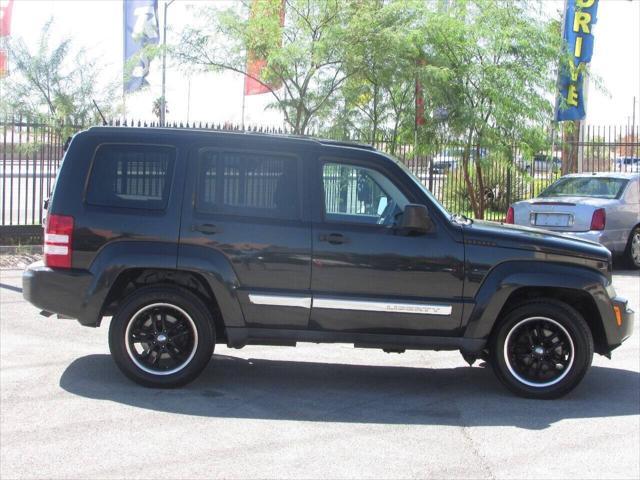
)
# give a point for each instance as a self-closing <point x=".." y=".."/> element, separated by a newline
<point x="381" y="306"/>
<point x="280" y="300"/>
<point x="340" y="304"/>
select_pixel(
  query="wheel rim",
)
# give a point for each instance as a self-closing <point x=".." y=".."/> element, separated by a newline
<point x="161" y="339"/>
<point x="539" y="352"/>
<point x="635" y="248"/>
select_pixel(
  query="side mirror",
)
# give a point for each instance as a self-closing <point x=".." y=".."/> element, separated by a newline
<point x="415" y="220"/>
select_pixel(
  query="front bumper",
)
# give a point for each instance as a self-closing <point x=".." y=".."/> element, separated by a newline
<point x="618" y="332"/>
<point x="61" y="291"/>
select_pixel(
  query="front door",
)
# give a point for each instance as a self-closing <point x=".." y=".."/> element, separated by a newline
<point x="368" y="278"/>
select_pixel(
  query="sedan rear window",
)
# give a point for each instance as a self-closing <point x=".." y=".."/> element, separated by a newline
<point x="597" y="187"/>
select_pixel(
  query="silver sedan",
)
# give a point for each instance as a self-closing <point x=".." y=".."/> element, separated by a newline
<point x="601" y="207"/>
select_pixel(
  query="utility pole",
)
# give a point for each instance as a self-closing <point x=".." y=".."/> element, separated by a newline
<point x="163" y="108"/>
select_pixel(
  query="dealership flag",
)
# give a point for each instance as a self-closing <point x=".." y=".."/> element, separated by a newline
<point x="5" y="17"/>
<point x="579" y="20"/>
<point x="5" y="30"/>
<point x="255" y="64"/>
<point x="140" y="29"/>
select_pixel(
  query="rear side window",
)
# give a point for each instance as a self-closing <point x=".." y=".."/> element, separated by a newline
<point x="251" y="184"/>
<point x="131" y="176"/>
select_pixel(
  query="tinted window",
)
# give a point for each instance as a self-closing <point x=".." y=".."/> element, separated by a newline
<point x="250" y="184"/>
<point x="361" y="195"/>
<point x="131" y="176"/>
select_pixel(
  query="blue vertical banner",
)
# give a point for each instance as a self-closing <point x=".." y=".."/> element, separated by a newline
<point x="580" y="17"/>
<point x="141" y="29"/>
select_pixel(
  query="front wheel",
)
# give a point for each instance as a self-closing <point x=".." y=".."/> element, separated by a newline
<point x="161" y="337"/>
<point x="542" y="349"/>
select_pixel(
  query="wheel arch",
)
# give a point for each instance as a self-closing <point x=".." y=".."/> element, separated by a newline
<point x="577" y="299"/>
<point x="131" y="279"/>
<point x="123" y="264"/>
<point x="512" y="283"/>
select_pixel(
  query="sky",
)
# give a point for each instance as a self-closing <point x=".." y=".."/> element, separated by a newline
<point x="96" y="25"/>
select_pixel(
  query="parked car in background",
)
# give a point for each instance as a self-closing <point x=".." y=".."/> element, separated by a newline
<point x="541" y="163"/>
<point x="602" y="207"/>
<point x="628" y="164"/>
<point x="446" y="160"/>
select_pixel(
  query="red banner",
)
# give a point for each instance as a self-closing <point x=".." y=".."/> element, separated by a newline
<point x="5" y="17"/>
<point x="255" y="65"/>
<point x="3" y="63"/>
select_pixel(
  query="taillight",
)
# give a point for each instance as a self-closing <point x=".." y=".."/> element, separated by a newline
<point x="510" y="216"/>
<point x="598" y="220"/>
<point x="57" y="241"/>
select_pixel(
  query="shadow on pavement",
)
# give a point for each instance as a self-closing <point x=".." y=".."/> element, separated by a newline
<point x="11" y="287"/>
<point x="234" y="387"/>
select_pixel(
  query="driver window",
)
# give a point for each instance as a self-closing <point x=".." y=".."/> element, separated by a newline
<point x="360" y="195"/>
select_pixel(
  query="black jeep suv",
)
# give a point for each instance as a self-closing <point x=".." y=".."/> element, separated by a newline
<point x="191" y="238"/>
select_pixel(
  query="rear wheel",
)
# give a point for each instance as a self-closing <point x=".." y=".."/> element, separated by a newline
<point x="161" y="337"/>
<point x="542" y="349"/>
<point x="633" y="248"/>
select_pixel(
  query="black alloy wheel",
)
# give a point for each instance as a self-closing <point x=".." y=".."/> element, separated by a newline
<point x="162" y="336"/>
<point x="161" y="339"/>
<point x="541" y="349"/>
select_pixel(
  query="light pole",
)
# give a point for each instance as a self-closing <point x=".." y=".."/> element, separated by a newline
<point x="163" y="108"/>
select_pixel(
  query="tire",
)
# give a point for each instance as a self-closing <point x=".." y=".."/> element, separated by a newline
<point x="547" y="365"/>
<point x="162" y="337"/>
<point x="632" y="252"/>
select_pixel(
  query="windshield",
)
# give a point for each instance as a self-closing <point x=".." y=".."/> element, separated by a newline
<point x="597" y="187"/>
<point x="420" y="185"/>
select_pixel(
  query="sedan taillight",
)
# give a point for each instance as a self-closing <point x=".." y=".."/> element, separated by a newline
<point x="598" y="220"/>
<point x="57" y="241"/>
<point x="510" y="216"/>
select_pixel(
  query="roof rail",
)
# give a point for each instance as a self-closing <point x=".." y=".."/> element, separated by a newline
<point x="345" y="143"/>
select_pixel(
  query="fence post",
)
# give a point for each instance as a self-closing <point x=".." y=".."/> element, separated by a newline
<point x="509" y="177"/>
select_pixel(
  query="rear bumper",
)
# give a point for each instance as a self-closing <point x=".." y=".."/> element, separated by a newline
<point x="598" y="236"/>
<point x="60" y="291"/>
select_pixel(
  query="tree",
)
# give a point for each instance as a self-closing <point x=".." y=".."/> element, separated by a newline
<point x="379" y="97"/>
<point x="307" y="57"/>
<point x="53" y="81"/>
<point x="488" y="68"/>
<point x="156" y="109"/>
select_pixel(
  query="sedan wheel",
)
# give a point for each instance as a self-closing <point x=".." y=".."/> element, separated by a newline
<point x="634" y="248"/>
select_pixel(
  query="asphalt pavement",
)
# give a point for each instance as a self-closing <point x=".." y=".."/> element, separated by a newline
<point x="315" y="411"/>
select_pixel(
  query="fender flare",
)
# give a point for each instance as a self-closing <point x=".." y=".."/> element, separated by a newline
<point x="115" y="258"/>
<point x="508" y="277"/>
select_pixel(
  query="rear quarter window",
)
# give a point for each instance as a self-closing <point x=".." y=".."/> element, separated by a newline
<point x="131" y="176"/>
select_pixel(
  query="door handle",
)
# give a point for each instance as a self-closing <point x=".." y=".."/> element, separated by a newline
<point x="206" y="228"/>
<point x="333" y="238"/>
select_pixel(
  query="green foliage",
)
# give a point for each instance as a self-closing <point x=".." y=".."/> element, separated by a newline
<point x="348" y="69"/>
<point x="489" y="69"/>
<point x="53" y="82"/>
<point x="307" y="57"/>
<point x="503" y="183"/>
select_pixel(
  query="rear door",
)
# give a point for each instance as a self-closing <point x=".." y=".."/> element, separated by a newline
<point x="244" y="202"/>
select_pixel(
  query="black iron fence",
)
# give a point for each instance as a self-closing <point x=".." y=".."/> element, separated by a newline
<point x="474" y="181"/>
